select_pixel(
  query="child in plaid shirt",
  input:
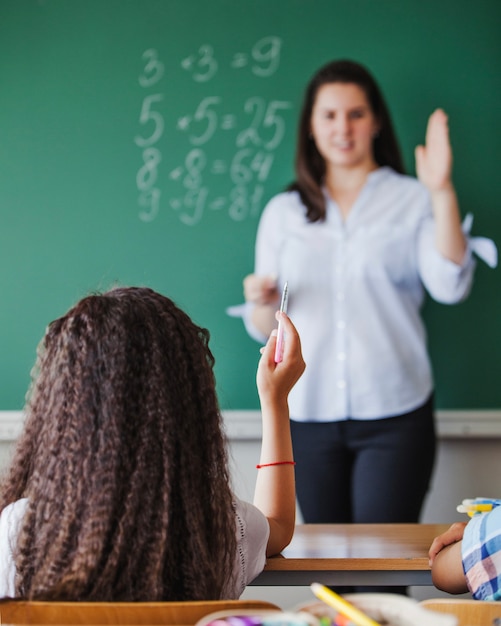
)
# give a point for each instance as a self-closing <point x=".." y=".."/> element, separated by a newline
<point x="467" y="557"/>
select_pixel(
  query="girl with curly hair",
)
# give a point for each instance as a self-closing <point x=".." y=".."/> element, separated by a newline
<point x="119" y="488"/>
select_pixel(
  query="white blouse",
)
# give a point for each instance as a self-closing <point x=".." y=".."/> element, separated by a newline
<point x="356" y="287"/>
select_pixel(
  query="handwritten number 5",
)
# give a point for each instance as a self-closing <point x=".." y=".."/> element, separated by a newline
<point x="207" y="115"/>
<point x="147" y="115"/>
<point x="271" y="119"/>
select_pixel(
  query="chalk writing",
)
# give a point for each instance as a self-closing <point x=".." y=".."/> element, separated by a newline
<point x="256" y="129"/>
<point x="203" y="65"/>
<point x="152" y="122"/>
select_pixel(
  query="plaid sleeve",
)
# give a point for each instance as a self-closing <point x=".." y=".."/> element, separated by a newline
<point x="481" y="553"/>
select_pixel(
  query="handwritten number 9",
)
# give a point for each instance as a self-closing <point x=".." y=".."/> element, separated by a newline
<point x="267" y="52"/>
<point x="150" y="202"/>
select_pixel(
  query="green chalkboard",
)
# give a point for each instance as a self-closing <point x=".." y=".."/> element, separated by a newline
<point x="140" y="139"/>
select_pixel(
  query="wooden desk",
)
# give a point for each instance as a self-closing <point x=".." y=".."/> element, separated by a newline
<point x="354" y="554"/>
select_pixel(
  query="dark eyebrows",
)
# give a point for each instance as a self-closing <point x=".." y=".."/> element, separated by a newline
<point x="361" y="107"/>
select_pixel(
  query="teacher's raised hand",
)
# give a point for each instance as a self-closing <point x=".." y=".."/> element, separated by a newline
<point x="434" y="168"/>
<point x="434" y="159"/>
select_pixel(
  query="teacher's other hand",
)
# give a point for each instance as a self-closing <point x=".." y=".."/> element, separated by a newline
<point x="261" y="289"/>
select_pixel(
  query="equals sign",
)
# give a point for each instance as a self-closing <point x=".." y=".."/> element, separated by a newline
<point x="239" y="60"/>
<point x="228" y="122"/>
<point x="219" y="167"/>
<point x="217" y="204"/>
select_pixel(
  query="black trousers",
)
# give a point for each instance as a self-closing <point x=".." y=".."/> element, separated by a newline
<point x="365" y="471"/>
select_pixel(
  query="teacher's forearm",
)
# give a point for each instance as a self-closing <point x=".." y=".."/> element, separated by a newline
<point x="263" y="318"/>
<point x="450" y="240"/>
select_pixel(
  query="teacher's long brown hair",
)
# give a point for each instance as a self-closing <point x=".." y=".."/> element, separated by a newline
<point x="310" y="165"/>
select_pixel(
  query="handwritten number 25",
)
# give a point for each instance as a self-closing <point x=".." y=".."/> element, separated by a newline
<point x="263" y="116"/>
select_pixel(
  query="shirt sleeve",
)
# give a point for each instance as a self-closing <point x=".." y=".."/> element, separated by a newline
<point x="245" y="312"/>
<point x="266" y="259"/>
<point x="10" y="520"/>
<point x="253" y="532"/>
<point x="481" y="554"/>
<point x="445" y="281"/>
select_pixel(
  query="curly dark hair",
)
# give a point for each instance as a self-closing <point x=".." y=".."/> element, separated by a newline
<point x="123" y="459"/>
<point x="309" y="164"/>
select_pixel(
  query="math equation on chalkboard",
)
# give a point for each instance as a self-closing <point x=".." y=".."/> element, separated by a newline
<point x="256" y="128"/>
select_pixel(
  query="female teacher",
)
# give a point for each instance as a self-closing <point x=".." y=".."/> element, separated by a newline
<point x="358" y="243"/>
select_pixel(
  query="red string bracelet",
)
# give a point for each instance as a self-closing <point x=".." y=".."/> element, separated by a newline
<point x="275" y="463"/>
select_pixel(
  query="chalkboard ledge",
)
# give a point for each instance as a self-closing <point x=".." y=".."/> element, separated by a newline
<point x="246" y="425"/>
<point x="451" y="424"/>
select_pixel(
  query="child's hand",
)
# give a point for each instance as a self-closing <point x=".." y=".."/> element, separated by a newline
<point x="275" y="380"/>
<point x="452" y="535"/>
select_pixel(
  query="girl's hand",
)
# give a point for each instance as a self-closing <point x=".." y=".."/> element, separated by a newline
<point x="434" y="160"/>
<point x="275" y="380"/>
<point x="275" y="494"/>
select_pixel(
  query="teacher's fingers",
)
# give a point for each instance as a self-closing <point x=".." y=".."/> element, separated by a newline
<point x="437" y="122"/>
<point x="260" y="289"/>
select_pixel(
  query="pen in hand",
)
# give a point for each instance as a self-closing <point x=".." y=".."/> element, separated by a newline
<point x="279" y="348"/>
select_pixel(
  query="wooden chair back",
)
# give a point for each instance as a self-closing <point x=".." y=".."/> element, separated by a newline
<point x="468" y="612"/>
<point x="127" y="613"/>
